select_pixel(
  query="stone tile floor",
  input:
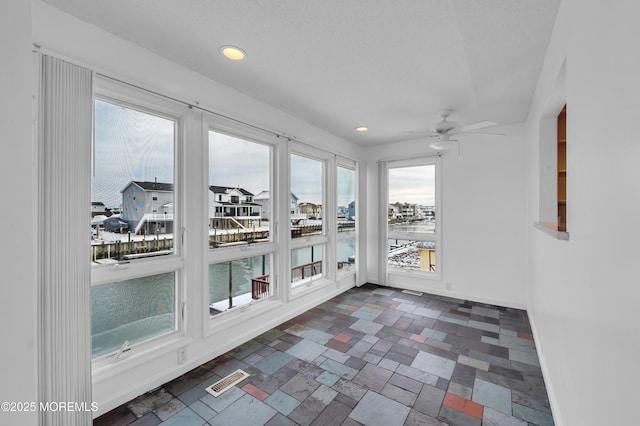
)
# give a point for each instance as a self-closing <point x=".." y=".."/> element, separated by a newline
<point x="370" y="356"/>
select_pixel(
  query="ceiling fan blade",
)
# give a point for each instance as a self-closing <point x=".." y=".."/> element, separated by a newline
<point x="444" y="126"/>
<point x="479" y="125"/>
<point x="481" y="133"/>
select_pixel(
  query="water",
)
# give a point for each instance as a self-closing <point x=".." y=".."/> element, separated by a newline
<point x="132" y="310"/>
<point x="420" y="226"/>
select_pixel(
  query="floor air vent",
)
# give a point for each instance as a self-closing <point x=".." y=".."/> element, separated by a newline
<point x="413" y="293"/>
<point x="226" y="383"/>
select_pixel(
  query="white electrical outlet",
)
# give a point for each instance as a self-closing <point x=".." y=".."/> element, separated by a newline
<point x="182" y="355"/>
<point x="448" y="286"/>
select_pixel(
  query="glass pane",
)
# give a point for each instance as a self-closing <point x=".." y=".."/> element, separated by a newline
<point x="132" y="184"/>
<point x="346" y="199"/>
<point x="412" y="199"/>
<point x="346" y="254"/>
<point x="415" y="255"/>
<point x="306" y="196"/>
<point x="306" y="265"/>
<point x="239" y="192"/>
<point x="238" y="282"/>
<point x="131" y="311"/>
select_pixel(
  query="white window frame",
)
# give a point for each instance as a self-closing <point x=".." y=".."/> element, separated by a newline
<point x="118" y="94"/>
<point x="217" y="124"/>
<point x="388" y="273"/>
<point x="327" y="238"/>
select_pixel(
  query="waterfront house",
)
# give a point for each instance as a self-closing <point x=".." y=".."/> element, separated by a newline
<point x="98" y="208"/>
<point x="263" y="199"/>
<point x="310" y="210"/>
<point x="148" y="207"/>
<point x="233" y="208"/>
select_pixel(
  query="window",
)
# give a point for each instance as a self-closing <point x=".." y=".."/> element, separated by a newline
<point x="133" y="176"/>
<point x="412" y="217"/>
<point x="238" y="282"/>
<point x="346" y="216"/>
<point x="306" y="265"/>
<point x="240" y="221"/>
<point x="239" y="191"/>
<point x="308" y="240"/>
<point x="307" y="186"/>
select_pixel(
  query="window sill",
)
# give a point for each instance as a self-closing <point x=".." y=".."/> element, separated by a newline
<point x="551" y="228"/>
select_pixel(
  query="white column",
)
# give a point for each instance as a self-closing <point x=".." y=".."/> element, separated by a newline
<point x="65" y="117"/>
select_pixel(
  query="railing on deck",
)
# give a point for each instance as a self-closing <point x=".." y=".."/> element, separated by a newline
<point x="260" y="287"/>
<point x="306" y="270"/>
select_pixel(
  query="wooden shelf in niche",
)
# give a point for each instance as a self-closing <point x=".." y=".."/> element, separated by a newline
<point x="562" y="169"/>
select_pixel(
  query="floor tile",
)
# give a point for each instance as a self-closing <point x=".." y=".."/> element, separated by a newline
<point x="457" y="418"/>
<point x="300" y="387"/>
<point x="339" y="369"/>
<point x="274" y="362"/>
<point x="398" y="394"/>
<point x="333" y="414"/>
<point x="366" y="326"/>
<point x="306" y="350"/>
<point x="184" y="417"/>
<point x="202" y="410"/>
<point x="169" y="409"/>
<point x="492" y="395"/>
<point x="350" y="389"/>
<point x="463" y="405"/>
<point x="255" y="391"/>
<point x="376" y="409"/>
<point x="324" y="394"/>
<point x="429" y="400"/>
<point x="307" y="412"/>
<point x="472" y="362"/>
<point x="317" y="336"/>
<point x="373" y="377"/>
<point x="533" y="416"/>
<point x="282" y="402"/>
<point x="245" y="411"/>
<point x="528" y="357"/>
<point x="434" y="364"/>
<point x="223" y="401"/>
<point x="493" y="417"/>
<point x="149" y="419"/>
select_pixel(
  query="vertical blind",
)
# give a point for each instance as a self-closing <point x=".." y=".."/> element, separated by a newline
<point x="64" y="142"/>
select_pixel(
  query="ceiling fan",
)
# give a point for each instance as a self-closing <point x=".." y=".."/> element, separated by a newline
<point x="445" y="129"/>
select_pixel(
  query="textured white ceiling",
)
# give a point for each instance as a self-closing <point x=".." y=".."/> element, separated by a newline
<point x="389" y="65"/>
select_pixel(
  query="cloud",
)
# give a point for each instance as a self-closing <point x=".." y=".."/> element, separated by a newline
<point x="414" y="185"/>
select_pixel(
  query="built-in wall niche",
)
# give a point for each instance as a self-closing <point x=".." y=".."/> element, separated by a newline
<point x="562" y="169"/>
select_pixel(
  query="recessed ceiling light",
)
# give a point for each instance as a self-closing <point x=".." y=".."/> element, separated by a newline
<point x="234" y="53"/>
<point x="362" y="128"/>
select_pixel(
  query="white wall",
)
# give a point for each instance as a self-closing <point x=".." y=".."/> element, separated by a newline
<point x="583" y="293"/>
<point x="483" y="217"/>
<point x="18" y="333"/>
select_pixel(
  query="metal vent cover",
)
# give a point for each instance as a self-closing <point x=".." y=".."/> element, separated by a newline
<point x="226" y="383"/>
<point x="412" y="292"/>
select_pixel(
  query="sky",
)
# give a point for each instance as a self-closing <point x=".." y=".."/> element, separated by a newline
<point x="415" y="185"/>
<point x="129" y="145"/>
<point x="133" y="145"/>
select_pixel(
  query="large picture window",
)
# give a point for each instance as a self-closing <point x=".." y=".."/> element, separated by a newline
<point x="308" y="236"/>
<point x="133" y="220"/>
<point x="412" y="217"/>
<point x="240" y="218"/>
<point x="346" y="217"/>
<point x="239" y="191"/>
